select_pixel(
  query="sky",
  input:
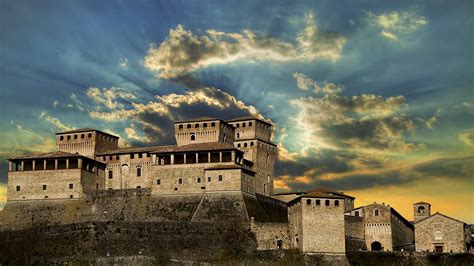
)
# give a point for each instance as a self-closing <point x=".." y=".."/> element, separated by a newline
<point x="368" y="97"/>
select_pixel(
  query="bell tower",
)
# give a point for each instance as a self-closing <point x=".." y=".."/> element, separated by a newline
<point x="421" y="210"/>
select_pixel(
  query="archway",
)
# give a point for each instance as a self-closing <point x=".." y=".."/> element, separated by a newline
<point x="376" y="246"/>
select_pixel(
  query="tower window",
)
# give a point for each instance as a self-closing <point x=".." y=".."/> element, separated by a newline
<point x="198" y="180"/>
<point x="376" y="212"/>
<point x="45" y="187"/>
<point x="111" y="175"/>
<point x="336" y="203"/>
<point x="251" y="144"/>
<point x="18" y="188"/>
<point x="318" y="202"/>
<point x="237" y="125"/>
<point x="213" y="124"/>
<point x="89" y="135"/>
<point x="68" y="137"/>
<point x="180" y="181"/>
<point x="196" y="125"/>
<point x="71" y="196"/>
<point x="326" y="203"/>
<point x="204" y="125"/>
<point x="238" y="135"/>
<point x="180" y="126"/>
<point x="245" y="144"/>
<point x="238" y="145"/>
<point x="220" y="178"/>
<point x="61" y="138"/>
<point x="188" y="125"/>
<point x="250" y="124"/>
<point x="243" y="124"/>
<point x="209" y="179"/>
<point x="193" y="136"/>
<point x="71" y="186"/>
<point x="117" y="157"/>
<point x="308" y="201"/>
<point x="82" y="136"/>
<point x="158" y="182"/>
<point x="132" y="156"/>
<point x="110" y="158"/>
<point x="356" y="213"/>
<point x="75" y="136"/>
<point x="139" y="171"/>
<point x="140" y="155"/>
<point x="421" y="210"/>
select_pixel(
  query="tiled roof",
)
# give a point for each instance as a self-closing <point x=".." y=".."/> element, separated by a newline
<point x="198" y="119"/>
<point x="86" y="129"/>
<point x="50" y="155"/>
<point x="212" y="146"/>
<point x="245" y="118"/>
<point x="132" y="150"/>
<point x="437" y="213"/>
<point x="326" y="191"/>
<point x="314" y="195"/>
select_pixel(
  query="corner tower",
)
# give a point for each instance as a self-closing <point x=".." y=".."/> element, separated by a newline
<point x="421" y="210"/>
<point x="252" y="136"/>
<point x="86" y="141"/>
<point x="203" y="130"/>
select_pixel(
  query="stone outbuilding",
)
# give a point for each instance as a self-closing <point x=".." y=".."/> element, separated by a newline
<point x="441" y="233"/>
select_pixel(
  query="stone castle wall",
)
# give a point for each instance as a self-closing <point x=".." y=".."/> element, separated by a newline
<point x="440" y="231"/>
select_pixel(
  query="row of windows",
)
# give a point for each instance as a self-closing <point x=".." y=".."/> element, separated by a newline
<point x="45" y="187"/>
<point x="68" y="137"/>
<point x="132" y="156"/>
<point x="243" y="124"/>
<point x="139" y="173"/>
<point x="89" y="135"/>
<point x="198" y="180"/>
<point x="245" y="144"/>
<point x="197" y="125"/>
<point x="326" y="202"/>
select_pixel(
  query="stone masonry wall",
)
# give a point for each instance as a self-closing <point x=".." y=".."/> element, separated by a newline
<point x="440" y="231"/>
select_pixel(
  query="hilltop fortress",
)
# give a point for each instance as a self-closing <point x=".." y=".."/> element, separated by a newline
<point x="212" y="190"/>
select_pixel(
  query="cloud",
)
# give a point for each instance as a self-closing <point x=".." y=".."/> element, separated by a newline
<point x="155" y="118"/>
<point x="305" y="83"/>
<point x="430" y="122"/>
<point x="123" y="62"/>
<point x="183" y="52"/>
<point x="106" y="96"/>
<point x="20" y="140"/>
<point x="467" y="137"/>
<point x="394" y="24"/>
<point x="54" y="121"/>
<point x="450" y="167"/>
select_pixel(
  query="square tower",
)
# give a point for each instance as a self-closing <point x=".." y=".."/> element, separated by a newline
<point x="203" y="130"/>
<point x="86" y="141"/>
<point x="421" y="210"/>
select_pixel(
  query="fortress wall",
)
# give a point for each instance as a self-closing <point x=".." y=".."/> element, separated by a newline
<point x="86" y="241"/>
<point x="354" y="230"/>
<point x="267" y="235"/>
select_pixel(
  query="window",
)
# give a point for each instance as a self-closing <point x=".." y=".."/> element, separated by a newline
<point x="193" y="136"/>
<point x="356" y="213"/>
<point x="175" y="188"/>
<point x="188" y="125"/>
<point x="140" y="155"/>
<point x="132" y="156"/>
<point x="71" y="186"/>
<point x="139" y="186"/>
<point x="237" y="125"/>
<point x="213" y="124"/>
<point x="245" y="144"/>
<point x="82" y="136"/>
<point x="238" y="145"/>
<point x="308" y="201"/>
<point x="326" y="203"/>
<point x="68" y="137"/>
<point x="158" y="181"/>
<point x="250" y="124"/>
<point x="110" y="158"/>
<point x="97" y="186"/>
<point x="264" y="188"/>
<point x="204" y="125"/>
<point x="376" y="212"/>
<point x="103" y="158"/>
<point x="243" y="124"/>
<point x="45" y="187"/>
<point x="18" y="188"/>
<point x="251" y="144"/>
<point x="61" y="138"/>
<point x="198" y="180"/>
<point x="75" y="136"/>
<point x="139" y="171"/>
<point x="318" y="202"/>
<point x="111" y="175"/>
<point x="196" y="125"/>
<point x="209" y="179"/>
<point x="71" y="196"/>
<point x="238" y="135"/>
<point x="180" y="126"/>
<point x="89" y="135"/>
<point x="117" y="157"/>
<point x="148" y="155"/>
<point x="336" y="203"/>
<point x="421" y="210"/>
<point x="45" y="197"/>
<point x="220" y="178"/>
<point x="180" y="181"/>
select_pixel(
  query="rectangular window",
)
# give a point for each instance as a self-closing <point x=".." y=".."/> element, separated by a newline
<point x="18" y="188"/>
<point x="356" y="214"/>
<point x="71" y="196"/>
<point x="45" y="187"/>
<point x="139" y="155"/>
<point x="209" y="179"/>
<point x="117" y="157"/>
<point x="376" y="212"/>
<point x="220" y="178"/>
<point x="158" y="182"/>
<point x="111" y="174"/>
<point x="139" y="171"/>
<point x="132" y="156"/>
<point x="139" y="186"/>
<point x="71" y="186"/>
<point x="148" y="155"/>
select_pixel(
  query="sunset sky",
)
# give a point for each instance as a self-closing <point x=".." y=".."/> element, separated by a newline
<point x="372" y="98"/>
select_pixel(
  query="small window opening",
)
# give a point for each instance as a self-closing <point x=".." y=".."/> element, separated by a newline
<point x="71" y="186"/>
<point x="220" y="178"/>
<point x="356" y="213"/>
<point x="193" y="137"/>
<point x="18" y="188"/>
<point x="82" y="136"/>
<point x="308" y="201"/>
<point x="140" y="155"/>
<point x="326" y="203"/>
<point x="336" y="203"/>
<point x="243" y="124"/>
<point x="213" y="124"/>
<point x="45" y="187"/>
<point x="250" y="124"/>
<point x="71" y="196"/>
<point x="198" y="180"/>
<point x="158" y="181"/>
<point x="180" y="126"/>
<point x="376" y="212"/>
<point x="111" y="174"/>
<point x="209" y="179"/>
<point x="61" y="138"/>
<point x="75" y="136"/>
<point x="132" y="156"/>
<point x="318" y="202"/>
<point x="68" y="137"/>
<point x="139" y="171"/>
<point x="89" y="135"/>
<point x="180" y="181"/>
<point x="188" y="125"/>
<point x="196" y="125"/>
<point x="204" y="125"/>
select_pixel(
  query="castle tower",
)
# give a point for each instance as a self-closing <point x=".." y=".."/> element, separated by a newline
<point x="86" y="141"/>
<point x="252" y="136"/>
<point x="203" y="130"/>
<point x="421" y="210"/>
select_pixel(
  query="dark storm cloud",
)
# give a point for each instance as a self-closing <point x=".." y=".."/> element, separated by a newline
<point x="458" y="168"/>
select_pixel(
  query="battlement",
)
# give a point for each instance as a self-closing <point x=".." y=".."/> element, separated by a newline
<point x="86" y="141"/>
<point x="203" y="130"/>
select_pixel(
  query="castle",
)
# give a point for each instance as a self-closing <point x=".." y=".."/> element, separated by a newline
<point x="218" y="173"/>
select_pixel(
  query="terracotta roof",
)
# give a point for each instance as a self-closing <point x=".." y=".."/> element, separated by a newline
<point x="86" y="129"/>
<point x="133" y="150"/>
<point x="198" y="119"/>
<point x="51" y="155"/>
<point x="209" y="146"/>
<point x="437" y="213"/>
<point x="421" y="202"/>
<point x="321" y="189"/>
<point x="245" y="118"/>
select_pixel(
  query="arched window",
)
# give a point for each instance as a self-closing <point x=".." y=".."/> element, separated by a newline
<point x="251" y="144"/>
<point x="75" y="136"/>
<point x="61" y="138"/>
<point x="180" y="181"/>
<point x="188" y="126"/>
<point x="308" y="201"/>
<point x="180" y="126"/>
<point x="318" y="202"/>
<point x="243" y="124"/>
<point x="326" y="203"/>
<point x="250" y="124"/>
<point x="89" y="135"/>
<point x="68" y="137"/>
<point x="193" y="136"/>
<point x="198" y="180"/>
<point x="213" y="124"/>
<point x="238" y="135"/>
<point x="421" y="210"/>
<point x="196" y="125"/>
<point x="245" y="144"/>
<point x="237" y="125"/>
<point x="238" y="145"/>
<point x="376" y="212"/>
<point x="336" y="203"/>
<point x="204" y="125"/>
<point x="268" y="157"/>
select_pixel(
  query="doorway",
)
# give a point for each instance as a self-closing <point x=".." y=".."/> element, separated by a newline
<point x="376" y="246"/>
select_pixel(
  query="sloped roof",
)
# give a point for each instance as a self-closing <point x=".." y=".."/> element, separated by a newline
<point x="245" y="118"/>
<point x="314" y="195"/>
<point x="198" y="119"/>
<point x="132" y="150"/>
<point x="437" y="213"/>
<point x="85" y="129"/>
<point x="321" y="190"/>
